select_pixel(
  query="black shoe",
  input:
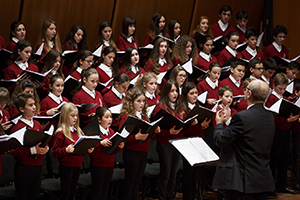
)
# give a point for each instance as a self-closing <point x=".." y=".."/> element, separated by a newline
<point x="296" y="187"/>
<point x="287" y="191"/>
<point x="272" y="194"/>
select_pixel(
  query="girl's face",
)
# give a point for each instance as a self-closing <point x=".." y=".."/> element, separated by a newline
<point x="233" y="42"/>
<point x="226" y="99"/>
<point x="173" y="94"/>
<point x="208" y="46"/>
<point x="135" y="57"/>
<point x="91" y="82"/>
<point x="238" y="72"/>
<point x="163" y="46"/>
<point x="73" y="116"/>
<point x="57" y="87"/>
<point x="181" y="77"/>
<point x="25" y="53"/>
<point x="162" y="23"/>
<point x="131" y="29"/>
<point x="214" y="74"/>
<point x="192" y="95"/>
<point x="51" y="32"/>
<point x="122" y="88"/>
<point x="78" y="36"/>
<point x="29" y="90"/>
<point x="57" y="63"/>
<point x="151" y="85"/>
<point x="20" y="32"/>
<point x="204" y="25"/>
<point x="109" y="59"/>
<point x="87" y="62"/>
<point x="106" y="33"/>
<point x="177" y="29"/>
<point x="106" y="119"/>
<point x="139" y="103"/>
<point x="188" y="48"/>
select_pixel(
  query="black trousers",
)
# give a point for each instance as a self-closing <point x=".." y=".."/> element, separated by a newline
<point x="135" y="164"/>
<point x="101" y="177"/>
<point x="68" y="179"/>
<point x="27" y="181"/>
<point x="190" y="178"/>
<point x="295" y="159"/>
<point x="236" y="195"/>
<point x="169" y="159"/>
<point x="280" y="157"/>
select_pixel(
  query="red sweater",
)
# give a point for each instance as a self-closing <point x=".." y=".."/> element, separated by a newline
<point x="101" y="159"/>
<point x="13" y="111"/>
<point x="103" y="77"/>
<point x="151" y="102"/>
<point x="76" y="75"/>
<point x="11" y="45"/>
<point x="43" y="52"/>
<point x="131" y="75"/>
<point x="236" y="90"/>
<point x="131" y="142"/>
<point x="123" y="44"/>
<point x="280" y="122"/>
<point x="2" y="43"/>
<point x="224" y="55"/>
<point x="241" y="33"/>
<point x="270" y="51"/>
<point x="164" y="136"/>
<point x="61" y="142"/>
<point x="148" y="39"/>
<point x="150" y="65"/>
<point x="217" y="31"/>
<point x="203" y="64"/>
<point x="242" y="105"/>
<point x="81" y="97"/>
<point x="203" y="86"/>
<point x="248" y="56"/>
<point x="109" y="100"/>
<point x="22" y="154"/>
<point x="13" y="70"/>
<point x="5" y="117"/>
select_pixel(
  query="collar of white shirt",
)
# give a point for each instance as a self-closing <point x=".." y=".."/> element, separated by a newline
<point x="22" y="66"/>
<point x="265" y="79"/>
<point x="172" y="105"/>
<point x="55" y="98"/>
<point x="252" y="52"/>
<point x="106" y="43"/>
<point x="1" y="114"/>
<point x="242" y="29"/>
<point x="162" y="61"/>
<point x="290" y="80"/>
<point x="149" y="96"/>
<point x="231" y="51"/>
<point x="138" y="114"/>
<point x="277" y="95"/>
<point x="237" y="83"/>
<point x="79" y="70"/>
<point x="117" y="93"/>
<point x="28" y="122"/>
<point x="89" y="92"/>
<point x="106" y="69"/>
<point x="250" y="106"/>
<point x="134" y="69"/>
<point x="252" y="77"/>
<point x="51" y="44"/>
<point x="130" y="39"/>
<point x="103" y="130"/>
<point x="72" y="129"/>
<point x="213" y="85"/>
<point x="277" y="47"/>
<point x="222" y="26"/>
<point x="16" y="40"/>
<point x="191" y="106"/>
<point x="205" y="56"/>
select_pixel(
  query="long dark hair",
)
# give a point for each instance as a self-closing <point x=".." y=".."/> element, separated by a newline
<point x="70" y="37"/>
<point x="127" y="21"/>
<point x="114" y="66"/>
<point x="154" y="25"/>
<point x="127" y="60"/>
<point x="184" y="96"/>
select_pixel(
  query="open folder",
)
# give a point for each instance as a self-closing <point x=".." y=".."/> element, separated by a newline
<point x="285" y="108"/>
<point x="116" y="139"/>
<point x="195" y="151"/>
<point x="84" y="143"/>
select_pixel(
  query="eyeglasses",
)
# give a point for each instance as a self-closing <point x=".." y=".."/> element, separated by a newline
<point x="248" y="88"/>
<point x="260" y="68"/>
<point x="89" y="61"/>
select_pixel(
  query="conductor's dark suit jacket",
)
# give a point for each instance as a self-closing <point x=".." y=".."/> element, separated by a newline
<point x="245" y="153"/>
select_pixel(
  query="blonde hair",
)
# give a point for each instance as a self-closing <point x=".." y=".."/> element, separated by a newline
<point x="145" y="79"/>
<point x="64" y="122"/>
<point x="128" y="107"/>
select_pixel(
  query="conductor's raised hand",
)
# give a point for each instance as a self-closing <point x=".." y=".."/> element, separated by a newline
<point x="175" y="132"/>
<point x="220" y="117"/>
